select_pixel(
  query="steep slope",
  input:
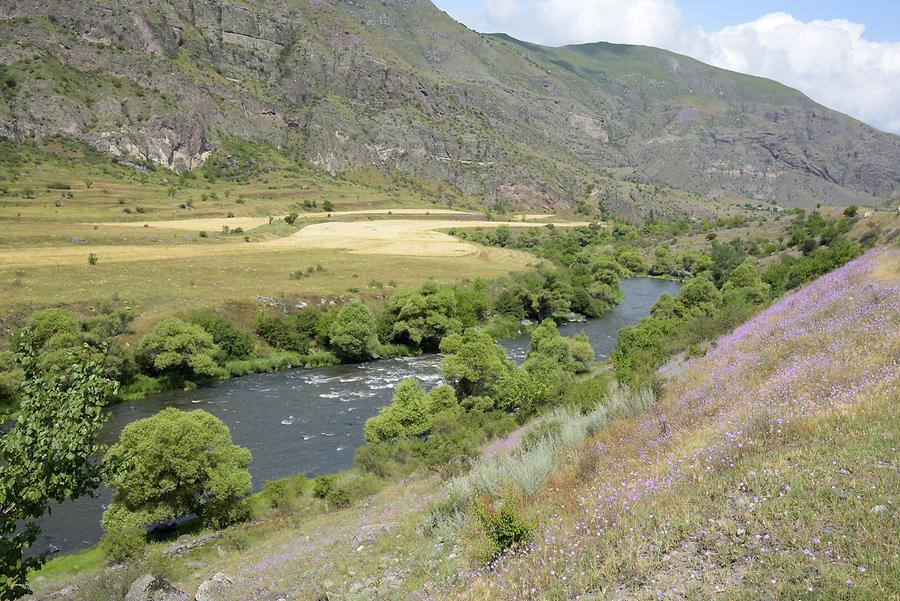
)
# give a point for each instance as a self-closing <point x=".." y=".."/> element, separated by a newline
<point x="397" y="83"/>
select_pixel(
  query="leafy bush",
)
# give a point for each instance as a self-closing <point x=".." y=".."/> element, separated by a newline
<point x="473" y="363"/>
<point x="505" y="529"/>
<point x="422" y="317"/>
<point x="411" y="412"/>
<point x="234" y="342"/>
<point x="124" y="537"/>
<point x="296" y="332"/>
<point x="352" y="334"/>
<point x="178" y="350"/>
<point x="283" y="494"/>
<point x="173" y="464"/>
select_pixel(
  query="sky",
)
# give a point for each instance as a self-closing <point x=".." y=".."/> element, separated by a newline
<point x="845" y="55"/>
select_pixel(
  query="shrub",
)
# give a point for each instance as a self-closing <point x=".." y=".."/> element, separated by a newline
<point x="422" y="317"/>
<point x="178" y="350"/>
<point x="851" y="211"/>
<point x="411" y="412"/>
<point x="505" y="530"/>
<point x="322" y="485"/>
<point x="290" y="332"/>
<point x="283" y="494"/>
<point x="174" y="464"/>
<point x="352" y="334"/>
<point x="473" y="363"/>
<point x="328" y="206"/>
<point x="124" y="537"/>
<point x="234" y="342"/>
<point x="291" y="218"/>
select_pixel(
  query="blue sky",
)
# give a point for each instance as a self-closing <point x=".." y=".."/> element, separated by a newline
<point x="845" y="55"/>
<point x="881" y="17"/>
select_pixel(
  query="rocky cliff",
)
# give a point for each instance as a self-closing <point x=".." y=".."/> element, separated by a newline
<point x="399" y="84"/>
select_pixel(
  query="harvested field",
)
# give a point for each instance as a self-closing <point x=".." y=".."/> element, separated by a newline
<point x="394" y="237"/>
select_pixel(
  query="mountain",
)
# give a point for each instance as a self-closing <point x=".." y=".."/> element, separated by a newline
<point x="400" y="85"/>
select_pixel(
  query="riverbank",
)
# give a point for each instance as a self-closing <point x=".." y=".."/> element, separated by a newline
<point x="325" y="409"/>
<point x="733" y="441"/>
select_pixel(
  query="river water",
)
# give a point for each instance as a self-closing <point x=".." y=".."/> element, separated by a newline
<point x="311" y="420"/>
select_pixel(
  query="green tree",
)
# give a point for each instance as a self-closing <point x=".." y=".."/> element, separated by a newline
<point x="548" y="343"/>
<point x="53" y="334"/>
<point x="423" y="316"/>
<point x="629" y="258"/>
<point x="663" y="262"/>
<point x="178" y="350"/>
<point x="174" y="464"/>
<point x="473" y="363"/>
<point x="233" y="341"/>
<point x="352" y="334"/>
<point x="522" y="392"/>
<point x="665" y="307"/>
<point x="582" y="352"/>
<point x="699" y="297"/>
<point x="47" y="456"/>
<point x="744" y="287"/>
<point x="55" y="328"/>
<point x="411" y="412"/>
<point x="472" y="302"/>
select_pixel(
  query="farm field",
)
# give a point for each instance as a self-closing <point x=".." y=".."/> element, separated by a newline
<point x="345" y="258"/>
<point x="166" y="243"/>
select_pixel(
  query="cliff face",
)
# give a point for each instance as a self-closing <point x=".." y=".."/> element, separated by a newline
<point x="397" y="83"/>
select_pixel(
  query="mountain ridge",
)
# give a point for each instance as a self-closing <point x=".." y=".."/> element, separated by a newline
<point x="400" y="85"/>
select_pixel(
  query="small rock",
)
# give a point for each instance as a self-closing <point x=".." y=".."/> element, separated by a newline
<point x="153" y="588"/>
<point x="878" y="509"/>
<point x="840" y="493"/>
<point x="215" y="589"/>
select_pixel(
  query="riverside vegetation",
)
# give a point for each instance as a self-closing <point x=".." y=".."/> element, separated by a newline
<point x="484" y="396"/>
<point x="191" y="191"/>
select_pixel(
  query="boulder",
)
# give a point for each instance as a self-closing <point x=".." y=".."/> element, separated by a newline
<point x="154" y="588"/>
<point x="215" y="589"/>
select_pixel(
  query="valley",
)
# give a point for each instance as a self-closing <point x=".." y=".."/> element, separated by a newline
<point x="343" y="300"/>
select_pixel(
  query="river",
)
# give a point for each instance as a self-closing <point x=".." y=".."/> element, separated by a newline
<point x="311" y="420"/>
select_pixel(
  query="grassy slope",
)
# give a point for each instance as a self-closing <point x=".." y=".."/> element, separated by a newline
<point x="778" y="446"/>
<point x="161" y="270"/>
<point x="762" y="482"/>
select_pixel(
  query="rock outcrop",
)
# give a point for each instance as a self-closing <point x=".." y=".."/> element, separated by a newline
<point x="398" y="85"/>
<point x="154" y="588"/>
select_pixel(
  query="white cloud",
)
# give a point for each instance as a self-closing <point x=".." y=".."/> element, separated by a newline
<point x="830" y="61"/>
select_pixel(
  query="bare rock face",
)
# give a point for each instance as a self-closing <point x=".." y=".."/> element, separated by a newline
<point x="154" y="588"/>
<point x="396" y="84"/>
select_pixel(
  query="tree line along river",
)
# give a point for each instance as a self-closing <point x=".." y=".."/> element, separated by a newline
<point x="311" y="420"/>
